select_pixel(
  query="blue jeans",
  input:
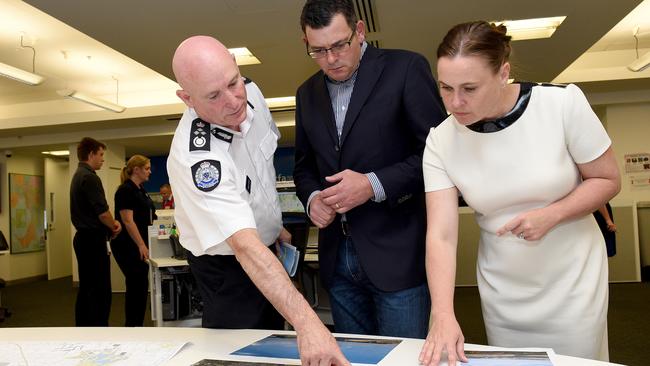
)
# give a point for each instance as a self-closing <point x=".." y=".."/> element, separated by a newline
<point x="358" y="307"/>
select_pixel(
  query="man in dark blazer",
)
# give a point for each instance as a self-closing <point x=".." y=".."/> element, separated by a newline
<point x="361" y="126"/>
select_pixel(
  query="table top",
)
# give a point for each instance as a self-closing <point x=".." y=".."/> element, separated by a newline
<point x="219" y="343"/>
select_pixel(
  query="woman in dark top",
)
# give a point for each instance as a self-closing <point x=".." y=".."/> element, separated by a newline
<point x="135" y="211"/>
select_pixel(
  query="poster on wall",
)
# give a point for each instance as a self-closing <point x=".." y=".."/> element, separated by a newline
<point x="26" y="213"/>
<point x="637" y="163"/>
<point x="640" y="181"/>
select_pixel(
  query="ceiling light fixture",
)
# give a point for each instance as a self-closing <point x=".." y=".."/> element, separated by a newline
<point x="243" y="56"/>
<point x="641" y="63"/>
<point x="29" y="78"/>
<point x="534" y="28"/>
<point x="281" y="103"/>
<point x="56" y="152"/>
<point x="20" y="75"/>
<point x="97" y="102"/>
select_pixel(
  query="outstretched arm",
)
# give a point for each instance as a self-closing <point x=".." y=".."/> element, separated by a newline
<point x="442" y="238"/>
<point x="316" y="344"/>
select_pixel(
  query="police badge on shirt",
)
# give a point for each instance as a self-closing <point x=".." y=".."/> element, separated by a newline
<point x="206" y="174"/>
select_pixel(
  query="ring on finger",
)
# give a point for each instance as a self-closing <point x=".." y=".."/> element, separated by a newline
<point x="521" y="236"/>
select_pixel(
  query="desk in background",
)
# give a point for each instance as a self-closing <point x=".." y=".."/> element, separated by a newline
<point x="174" y="300"/>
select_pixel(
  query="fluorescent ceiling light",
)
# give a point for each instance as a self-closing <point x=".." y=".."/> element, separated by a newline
<point x="57" y="152"/>
<point x="532" y="28"/>
<point x="101" y="103"/>
<point x="20" y="75"/>
<point x="640" y="63"/>
<point x="244" y="57"/>
<point x="281" y="103"/>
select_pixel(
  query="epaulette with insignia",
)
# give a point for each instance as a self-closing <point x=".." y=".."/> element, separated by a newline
<point x="199" y="137"/>
<point x="222" y="134"/>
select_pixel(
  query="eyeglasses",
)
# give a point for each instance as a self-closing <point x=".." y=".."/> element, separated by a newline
<point x="336" y="48"/>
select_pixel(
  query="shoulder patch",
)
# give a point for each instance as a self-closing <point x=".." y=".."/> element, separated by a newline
<point x="222" y="135"/>
<point x="206" y="175"/>
<point x="199" y="138"/>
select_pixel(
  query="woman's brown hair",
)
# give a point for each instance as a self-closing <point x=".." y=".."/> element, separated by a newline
<point x="135" y="161"/>
<point x="478" y="38"/>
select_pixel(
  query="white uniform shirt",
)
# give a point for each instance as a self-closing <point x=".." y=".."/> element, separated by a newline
<point x="223" y="180"/>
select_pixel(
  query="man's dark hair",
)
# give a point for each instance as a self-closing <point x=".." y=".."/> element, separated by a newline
<point x="88" y="145"/>
<point x="165" y="185"/>
<point x="317" y="14"/>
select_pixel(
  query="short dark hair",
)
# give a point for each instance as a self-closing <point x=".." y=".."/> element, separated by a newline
<point x="478" y="38"/>
<point x="317" y="14"/>
<point x="165" y="185"/>
<point x="88" y="145"/>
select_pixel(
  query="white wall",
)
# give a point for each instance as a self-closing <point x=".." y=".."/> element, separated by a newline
<point x="23" y="265"/>
<point x="628" y="126"/>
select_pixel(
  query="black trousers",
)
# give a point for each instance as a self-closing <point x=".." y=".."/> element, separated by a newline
<point x="230" y="299"/>
<point x="93" y="304"/>
<point x="136" y="276"/>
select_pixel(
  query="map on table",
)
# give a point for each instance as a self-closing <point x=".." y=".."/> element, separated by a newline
<point x="87" y="353"/>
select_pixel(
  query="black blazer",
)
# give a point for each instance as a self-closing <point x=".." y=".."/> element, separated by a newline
<point x="394" y="104"/>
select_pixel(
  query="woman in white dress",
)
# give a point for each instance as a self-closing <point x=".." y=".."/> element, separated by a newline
<point x="533" y="161"/>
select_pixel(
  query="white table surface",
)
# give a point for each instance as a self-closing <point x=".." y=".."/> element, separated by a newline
<point x="219" y="343"/>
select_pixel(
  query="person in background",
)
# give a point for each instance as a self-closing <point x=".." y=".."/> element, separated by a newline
<point x="361" y="124"/>
<point x="227" y="208"/>
<point x="605" y="219"/>
<point x="95" y="225"/>
<point x="167" y="196"/>
<point x="533" y="161"/>
<point x="135" y="212"/>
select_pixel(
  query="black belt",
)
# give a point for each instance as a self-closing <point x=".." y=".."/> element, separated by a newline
<point x="345" y="228"/>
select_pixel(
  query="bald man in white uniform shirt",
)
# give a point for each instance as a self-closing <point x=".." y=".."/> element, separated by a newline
<point x="227" y="211"/>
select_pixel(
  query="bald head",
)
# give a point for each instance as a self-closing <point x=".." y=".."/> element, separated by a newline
<point x="199" y="55"/>
<point x="210" y="81"/>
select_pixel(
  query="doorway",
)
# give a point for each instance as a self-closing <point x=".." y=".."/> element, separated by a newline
<point x="57" y="205"/>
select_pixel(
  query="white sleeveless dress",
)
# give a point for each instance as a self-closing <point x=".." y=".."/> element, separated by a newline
<point x="547" y="293"/>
